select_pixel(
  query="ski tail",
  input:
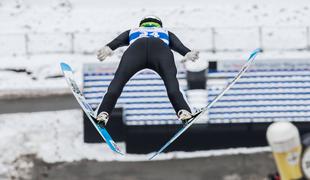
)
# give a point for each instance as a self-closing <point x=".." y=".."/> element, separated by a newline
<point x="203" y="110"/>
<point x="254" y="54"/>
<point x="68" y="74"/>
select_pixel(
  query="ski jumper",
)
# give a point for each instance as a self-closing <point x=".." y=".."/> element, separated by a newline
<point x="149" y="47"/>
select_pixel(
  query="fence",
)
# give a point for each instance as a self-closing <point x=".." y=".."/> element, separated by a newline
<point x="213" y="39"/>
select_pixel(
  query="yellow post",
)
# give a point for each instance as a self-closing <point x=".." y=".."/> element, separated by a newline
<point x="284" y="140"/>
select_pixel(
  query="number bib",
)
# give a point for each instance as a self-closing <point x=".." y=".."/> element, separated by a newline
<point x="137" y="33"/>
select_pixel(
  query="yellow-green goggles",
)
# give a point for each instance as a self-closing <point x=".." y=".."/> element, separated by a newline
<point x="150" y="24"/>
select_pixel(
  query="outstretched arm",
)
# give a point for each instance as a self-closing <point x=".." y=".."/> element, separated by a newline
<point x="176" y="45"/>
<point x="119" y="41"/>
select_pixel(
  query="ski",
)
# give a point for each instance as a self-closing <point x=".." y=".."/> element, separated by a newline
<point x="202" y="111"/>
<point x="68" y="74"/>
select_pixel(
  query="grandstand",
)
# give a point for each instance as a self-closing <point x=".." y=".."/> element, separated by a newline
<point x="268" y="92"/>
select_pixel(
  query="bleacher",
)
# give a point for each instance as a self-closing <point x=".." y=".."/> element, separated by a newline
<point x="261" y="95"/>
<point x="272" y="90"/>
<point x="269" y="91"/>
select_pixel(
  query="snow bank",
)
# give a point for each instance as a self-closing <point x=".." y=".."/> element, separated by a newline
<point x="52" y="136"/>
<point x="58" y="137"/>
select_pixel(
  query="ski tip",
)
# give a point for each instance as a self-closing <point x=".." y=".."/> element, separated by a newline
<point x="254" y="53"/>
<point x="258" y="50"/>
<point x="65" y="67"/>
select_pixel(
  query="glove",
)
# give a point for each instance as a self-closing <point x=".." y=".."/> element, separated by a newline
<point x="104" y="53"/>
<point x="191" y="56"/>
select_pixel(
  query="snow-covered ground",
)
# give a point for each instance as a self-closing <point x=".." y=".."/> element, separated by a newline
<point x="58" y="137"/>
<point x="97" y="16"/>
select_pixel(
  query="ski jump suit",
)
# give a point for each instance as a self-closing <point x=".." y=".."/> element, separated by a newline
<point x="149" y="47"/>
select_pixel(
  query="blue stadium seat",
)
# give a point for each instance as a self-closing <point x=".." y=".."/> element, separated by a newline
<point x="263" y="96"/>
<point x="259" y="96"/>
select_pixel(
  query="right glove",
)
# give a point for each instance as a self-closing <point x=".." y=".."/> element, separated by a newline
<point x="104" y="53"/>
<point x="191" y="56"/>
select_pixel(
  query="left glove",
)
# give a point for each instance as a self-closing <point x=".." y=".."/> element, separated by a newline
<point x="104" y="53"/>
<point x="191" y="56"/>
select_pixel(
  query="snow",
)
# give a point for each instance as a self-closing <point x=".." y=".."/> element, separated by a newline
<point x="52" y="136"/>
<point x="74" y="15"/>
<point x="285" y="38"/>
<point x="8" y="47"/>
<point x="51" y="42"/>
<point x="58" y="137"/>
<point x="228" y="38"/>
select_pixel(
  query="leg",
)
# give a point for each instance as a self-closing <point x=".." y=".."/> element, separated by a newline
<point x="175" y="95"/>
<point x="130" y="64"/>
<point x="166" y="68"/>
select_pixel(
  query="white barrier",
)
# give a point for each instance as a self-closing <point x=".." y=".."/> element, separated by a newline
<point x="211" y="39"/>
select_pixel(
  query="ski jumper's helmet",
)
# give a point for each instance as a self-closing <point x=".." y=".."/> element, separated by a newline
<point x="151" y="21"/>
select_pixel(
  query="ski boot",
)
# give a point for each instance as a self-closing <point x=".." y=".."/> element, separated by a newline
<point x="102" y="118"/>
<point x="184" y="116"/>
